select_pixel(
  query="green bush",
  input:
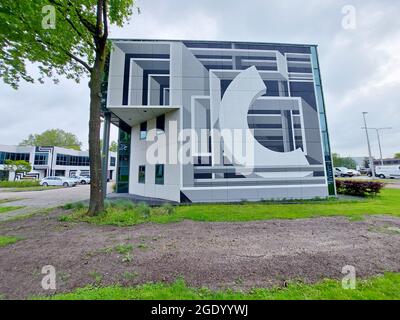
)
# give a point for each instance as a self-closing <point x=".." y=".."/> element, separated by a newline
<point x="359" y="188"/>
<point x="168" y="208"/>
<point x="75" y="206"/>
<point x="19" y="184"/>
<point x="144" y="210"/>
<point x="165" y="209"/>
<point x="120" y="204"/>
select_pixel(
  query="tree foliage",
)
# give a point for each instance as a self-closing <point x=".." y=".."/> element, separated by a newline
<point x="397" y="155"/>
<point x="17" y="166"/>
<point x="66" y="48"/>
<point x="113" y="146"/>
<point x="53" y="137"/>
<point x="347" y="162"/>
<point x="68" y="38"/>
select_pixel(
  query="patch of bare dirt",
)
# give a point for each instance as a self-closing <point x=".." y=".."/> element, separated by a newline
<point x="215" y="255"/>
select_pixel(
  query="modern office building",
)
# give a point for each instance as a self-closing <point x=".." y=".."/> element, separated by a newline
<point x="211" y="121"/>
<point x="50" y="161"/>
<point x="387" y="162"/>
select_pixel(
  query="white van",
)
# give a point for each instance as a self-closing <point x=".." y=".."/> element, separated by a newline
<point x="391" y="172"/>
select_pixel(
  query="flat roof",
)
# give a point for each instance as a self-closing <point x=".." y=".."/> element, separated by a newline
<point x="218" y="41"/>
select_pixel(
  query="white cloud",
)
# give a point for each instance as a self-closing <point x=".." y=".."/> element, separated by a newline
<point x="360" y="68"/>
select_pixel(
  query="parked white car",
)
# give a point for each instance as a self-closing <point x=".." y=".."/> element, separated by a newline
<point x="343" y="172"/>
<point x="57" y="181"/>
<point x="355" y="172"/>
<point x="390" y="172"/>
<point x="81" y="179"/>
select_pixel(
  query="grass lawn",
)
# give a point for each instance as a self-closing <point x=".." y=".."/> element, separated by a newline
<point x="380" y="287"/>
<point x="7" y="209"/>
<point x="8" y="200"/>
<point x="127" y="214"/>
<point x="5" y="240"/>
<point x="24" y="185"/>
<point x="19" y="184"/>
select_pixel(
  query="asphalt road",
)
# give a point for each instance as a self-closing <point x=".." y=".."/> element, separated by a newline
<point x="35" y="200"/>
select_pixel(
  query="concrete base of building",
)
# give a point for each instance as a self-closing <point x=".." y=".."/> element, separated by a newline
<point x="233" y="194"/>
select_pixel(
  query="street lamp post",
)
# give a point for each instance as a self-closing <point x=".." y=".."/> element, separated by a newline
<point x="371" y="161"/>
<point x="379" y="140"/>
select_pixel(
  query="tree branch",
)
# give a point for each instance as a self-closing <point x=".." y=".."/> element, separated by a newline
<point x="83" y="63"/>
<point x="79" y="33"/>
<point x="87" y="24"/>
<point x="69" y="54"/>
<point x="59" y="8"/>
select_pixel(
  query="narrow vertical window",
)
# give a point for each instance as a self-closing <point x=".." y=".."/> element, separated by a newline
<point x="142" y="174"/>
<point x="160" y="124"/>
<point x="143" y="131"/>
<point x="159" y="174"/>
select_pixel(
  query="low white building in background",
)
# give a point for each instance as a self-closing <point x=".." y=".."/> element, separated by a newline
<point x="51" y="161"/>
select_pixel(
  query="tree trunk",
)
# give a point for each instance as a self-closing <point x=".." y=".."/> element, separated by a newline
<point x="97" y="189"/>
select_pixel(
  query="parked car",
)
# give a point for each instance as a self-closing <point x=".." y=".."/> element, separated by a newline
<point x="81" y="179"/>
<point x="343" y="172"/>
<point x="390" y="172"/>
<point x="355" y="172"/>
<point x="57" y="181"/>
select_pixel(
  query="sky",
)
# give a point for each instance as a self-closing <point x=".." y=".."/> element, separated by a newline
<point x="358" y="43"/>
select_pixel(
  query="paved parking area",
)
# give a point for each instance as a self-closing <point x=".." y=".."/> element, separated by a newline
<point x="36" y="200"/>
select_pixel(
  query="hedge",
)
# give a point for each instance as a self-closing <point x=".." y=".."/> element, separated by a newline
<point x="19" y="184"/>
<point x="358" y="188"/>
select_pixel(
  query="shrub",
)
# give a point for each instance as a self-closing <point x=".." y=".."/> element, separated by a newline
<point x="121" y="204"/>
<point x="19" y="184"/>
<point x="163" y="210"/>
<point x="144" y="210"/>
<point x="75" y="206"/>
<point x="168" y="208"/>
<point x="358" y="188"/>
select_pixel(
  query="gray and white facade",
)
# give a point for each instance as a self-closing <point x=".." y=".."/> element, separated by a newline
<point x="51" y="161"/>
<point x="221" y="121"/>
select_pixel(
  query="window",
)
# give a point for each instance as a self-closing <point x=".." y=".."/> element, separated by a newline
<point x="13" y="156"/>
<point x="112" y="161"/>
<point x="41" y="159"/>
<point x="159" y="174"/>
<point x="142" y="174"/>
<point x="124" y="142"/>
<point x="143" y="131"/>
<point x="68" y="160"/>
<point x="160" y="124"/>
